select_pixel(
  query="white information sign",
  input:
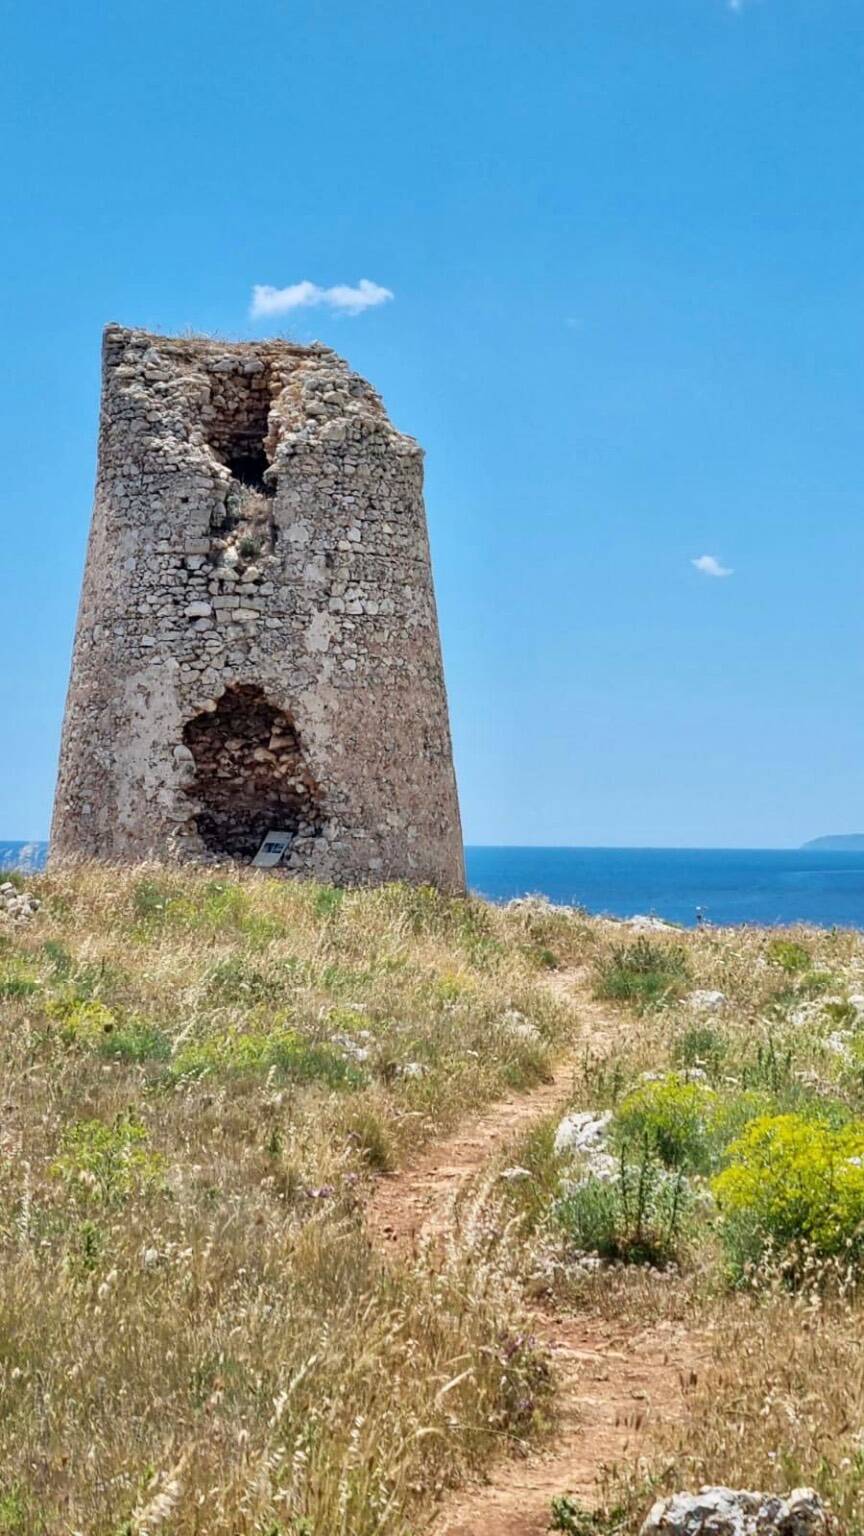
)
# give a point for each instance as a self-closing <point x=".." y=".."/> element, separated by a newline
<point x="272" y="849"/>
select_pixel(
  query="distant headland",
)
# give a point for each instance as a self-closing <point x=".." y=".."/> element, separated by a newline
<point x="840" y="842"/>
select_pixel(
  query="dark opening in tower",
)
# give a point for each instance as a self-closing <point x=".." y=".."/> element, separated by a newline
<point x="251" y="777"/>
<point x="237" y="430"/>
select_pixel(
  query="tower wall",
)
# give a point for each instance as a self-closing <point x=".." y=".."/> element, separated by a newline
<point x="257" y="643"/>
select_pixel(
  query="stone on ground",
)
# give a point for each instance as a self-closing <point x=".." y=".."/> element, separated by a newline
<point x="735" y="1512"/>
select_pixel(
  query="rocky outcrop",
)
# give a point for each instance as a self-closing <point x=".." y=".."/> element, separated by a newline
<point x="736" y="1512"/>
<point x="19" y="905"/>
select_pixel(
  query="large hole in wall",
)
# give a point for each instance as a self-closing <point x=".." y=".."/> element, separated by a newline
<point x="241" y="524"/>
<point x="251" y="777"/>
<point x="238" y="426"/>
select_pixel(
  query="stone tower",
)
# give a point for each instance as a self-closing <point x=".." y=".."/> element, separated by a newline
<point x="257" y="658"/>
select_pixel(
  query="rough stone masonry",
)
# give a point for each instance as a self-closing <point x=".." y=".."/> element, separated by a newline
<point x="257" y="644"/>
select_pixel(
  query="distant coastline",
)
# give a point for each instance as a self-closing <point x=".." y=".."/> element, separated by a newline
<point x="839" y="842"/>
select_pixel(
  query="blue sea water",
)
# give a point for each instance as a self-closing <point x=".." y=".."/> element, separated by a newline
<point x="22" y="855"/>
<point x="730" y="885"/>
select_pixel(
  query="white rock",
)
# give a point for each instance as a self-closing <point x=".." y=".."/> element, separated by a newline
<point x="581" y="1132"/>
<point x="705" y="1000"/>
<point x="515" y="1175"/>
<point x="735" y="1512"/>
<point x="358" y="1053"/>
<point x="643" y="924"/>
<point x="516" y="1023"/>
<point x="411" y="1069"/>
<point x="19" y="905"/>
<point x="595" y="1165"/>
<point x="838" y="1042"/>
<point x="805" y="1014"/>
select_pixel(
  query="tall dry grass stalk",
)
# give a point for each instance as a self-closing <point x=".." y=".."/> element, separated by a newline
<point x="199" y="1077"/>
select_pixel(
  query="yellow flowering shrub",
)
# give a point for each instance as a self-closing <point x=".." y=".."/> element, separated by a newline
<point x="674" y="1116"/>
<point x="793" y="1182"/>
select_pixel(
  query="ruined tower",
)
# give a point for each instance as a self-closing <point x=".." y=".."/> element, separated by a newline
<point x="257" y="660"/>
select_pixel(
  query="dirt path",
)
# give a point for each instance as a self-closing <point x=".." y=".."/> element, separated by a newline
<point x="614" y="1385"/>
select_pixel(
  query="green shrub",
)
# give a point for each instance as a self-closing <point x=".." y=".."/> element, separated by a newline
<point x="108" y="1162"/>
<point x="732" y="1112"/>
<point x="83" y="1019"/>
<point x="15" y="1509"/>
<point x="236" y="980"/>
<point x="571" y="1517"/>
<point x="639" y="1216"/>
<point x="12" y="988"/>
<point x="793" y="1185"/>
<point x="771" y="1067"/>
<point x="672" y="1117"/>
<point x="135" y="1041"/>
<point x="213" y="906"/>
<point x="814" y="983"/>
<point x="642" y="973"/>
<point x="788" y="955"/>
<point x="59" y="959"/>
<point x="150" y="899"/>
<point x="700" y="1046"/>
<point x="327" y="901"/>
<point x="260" y="1051"/>
<point x="844" y="1015"/>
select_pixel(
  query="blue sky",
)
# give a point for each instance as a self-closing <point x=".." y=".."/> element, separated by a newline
<point x="625" y="244"/>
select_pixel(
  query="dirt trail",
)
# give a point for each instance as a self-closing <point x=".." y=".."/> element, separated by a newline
<point x="614" y="1384"/>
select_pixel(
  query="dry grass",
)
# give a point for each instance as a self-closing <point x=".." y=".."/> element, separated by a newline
<point x="779" y="1401"/>
<point x="198" y="1077"/>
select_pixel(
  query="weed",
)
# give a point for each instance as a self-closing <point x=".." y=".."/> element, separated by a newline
<point x="573" y="1518"/>
<point x="14" y="1511"/>
<point x="280" y="1050"/>
<point x="638" y="1216"/>
<point x="328" y="901"/>
<point x="700" y="1046"/>
<point x="642" y="973"/>
<point x="789" y="955"/>
<point x="108" y="1162"/>
<point x="135" y="1042"/>
<point x="13" y="988"/>
<point x="672" y="1117"/>
<point x="369" y="1137"/>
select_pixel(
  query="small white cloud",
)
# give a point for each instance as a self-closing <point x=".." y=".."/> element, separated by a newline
<point x="342" y="299"/>
<point x="709" y="565"/>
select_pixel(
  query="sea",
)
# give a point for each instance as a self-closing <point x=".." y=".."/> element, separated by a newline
<point x="682" y="885"/>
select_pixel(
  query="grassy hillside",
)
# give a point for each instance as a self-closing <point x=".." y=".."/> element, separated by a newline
<point x="200" y="1079"/>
